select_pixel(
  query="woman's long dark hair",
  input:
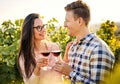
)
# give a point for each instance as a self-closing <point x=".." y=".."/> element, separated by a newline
<point x="26" y="51"/>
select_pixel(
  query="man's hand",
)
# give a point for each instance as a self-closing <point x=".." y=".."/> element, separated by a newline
<point x="63" y="68"/>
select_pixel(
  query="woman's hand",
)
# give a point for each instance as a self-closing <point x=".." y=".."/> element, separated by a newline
<point x="66" y="51"/>
<point x="40" y="63"/>
<point x="68" y="45"/>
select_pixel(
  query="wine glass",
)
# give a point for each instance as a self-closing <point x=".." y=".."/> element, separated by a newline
<point x="45" y="54"/>
<point x="56" y="53"/>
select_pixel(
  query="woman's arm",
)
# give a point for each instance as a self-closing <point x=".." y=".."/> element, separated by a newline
<point x="65" y="59"/>
<point x="35" y="78"/>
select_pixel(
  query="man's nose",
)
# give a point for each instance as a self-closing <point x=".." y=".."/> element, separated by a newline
<point x="65" y="25"/>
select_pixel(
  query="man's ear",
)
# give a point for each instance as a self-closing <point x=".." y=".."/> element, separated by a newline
<point x="80" y="20"/>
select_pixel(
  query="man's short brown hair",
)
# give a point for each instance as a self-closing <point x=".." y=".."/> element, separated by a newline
<point x="79" y="9"/>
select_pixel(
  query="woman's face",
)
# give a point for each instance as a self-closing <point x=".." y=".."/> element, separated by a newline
<point x="39" y="30"/>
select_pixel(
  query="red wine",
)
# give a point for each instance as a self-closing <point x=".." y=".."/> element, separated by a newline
<point x="56" y="53"/>
<point x="45" y="54"/>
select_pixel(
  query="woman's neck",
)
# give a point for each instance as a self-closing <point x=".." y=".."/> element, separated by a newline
<point x="40" y="45"/>
<point x="37" y="46"/>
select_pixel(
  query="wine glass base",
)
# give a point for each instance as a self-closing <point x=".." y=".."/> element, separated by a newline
<point x="46" y="68"/>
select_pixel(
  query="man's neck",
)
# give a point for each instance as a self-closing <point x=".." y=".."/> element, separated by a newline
<point x="82" y="34"/>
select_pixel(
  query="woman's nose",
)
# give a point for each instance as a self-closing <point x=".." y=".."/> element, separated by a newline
<point x="43" y="29"/>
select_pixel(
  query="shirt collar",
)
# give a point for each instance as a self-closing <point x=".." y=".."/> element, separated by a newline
<point x="85" y="39"/>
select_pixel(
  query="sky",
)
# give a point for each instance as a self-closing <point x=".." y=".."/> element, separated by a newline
<point x="101" y="10"/>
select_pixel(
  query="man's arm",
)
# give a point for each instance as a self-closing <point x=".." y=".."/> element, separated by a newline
<point x="101" y="63"/>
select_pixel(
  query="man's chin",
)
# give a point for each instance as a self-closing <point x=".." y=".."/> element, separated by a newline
<point x="69" y="34"/>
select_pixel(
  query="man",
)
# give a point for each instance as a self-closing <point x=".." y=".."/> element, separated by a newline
<point x="89" y="58"/>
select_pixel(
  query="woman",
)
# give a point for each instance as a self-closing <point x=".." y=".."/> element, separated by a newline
<point x="33" y="49"/>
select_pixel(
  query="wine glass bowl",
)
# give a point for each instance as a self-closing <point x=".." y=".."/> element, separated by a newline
<point x="56" y="53"/>
<point x="45" y="54"/>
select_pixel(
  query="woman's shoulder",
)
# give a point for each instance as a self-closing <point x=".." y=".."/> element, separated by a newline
<point x="53" y="45"/>
<point x="50" y="43"/>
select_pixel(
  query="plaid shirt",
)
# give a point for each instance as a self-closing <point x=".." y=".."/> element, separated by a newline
<point x="90" y="58"/>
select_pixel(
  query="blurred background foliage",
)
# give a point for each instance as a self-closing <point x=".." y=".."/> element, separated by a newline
<point x="107" y="33"/>
<point x="10" y="38"/>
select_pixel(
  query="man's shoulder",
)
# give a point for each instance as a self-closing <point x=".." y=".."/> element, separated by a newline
<point x="102" y="45"/>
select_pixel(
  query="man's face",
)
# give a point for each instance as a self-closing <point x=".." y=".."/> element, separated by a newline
<point x="71" y="24"/>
